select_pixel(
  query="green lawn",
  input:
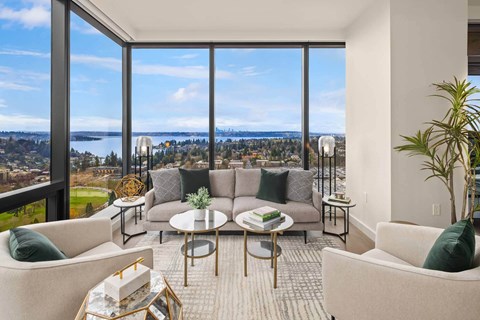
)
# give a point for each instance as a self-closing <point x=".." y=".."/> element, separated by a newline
<point x="24" y="216"/>
<point x="80" y="197"/>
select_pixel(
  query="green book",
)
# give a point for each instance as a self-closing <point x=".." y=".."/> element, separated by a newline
<point x="264" y="218"/>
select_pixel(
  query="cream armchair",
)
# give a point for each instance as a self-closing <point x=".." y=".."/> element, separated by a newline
<point x="389" y="282"/>
<point x="56" y="289"/>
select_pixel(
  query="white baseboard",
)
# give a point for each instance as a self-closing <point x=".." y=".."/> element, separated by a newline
<point x="369" y="232"/>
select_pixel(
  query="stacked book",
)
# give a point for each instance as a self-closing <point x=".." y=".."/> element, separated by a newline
<point x="346" y="200"/>
<point x="263" y="218"/>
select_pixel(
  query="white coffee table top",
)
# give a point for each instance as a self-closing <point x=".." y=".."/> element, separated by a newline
<point x="119" y="203"/>
<point x="282" y="226"/>
<point x="186" y="222"/>
<point x="338" y="204"/>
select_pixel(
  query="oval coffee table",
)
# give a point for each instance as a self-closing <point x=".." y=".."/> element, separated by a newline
<point x="265" y="250"/>
<point x="194" y="249"/>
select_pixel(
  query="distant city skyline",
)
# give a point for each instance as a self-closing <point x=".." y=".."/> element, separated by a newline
<point x="256" y="89"/>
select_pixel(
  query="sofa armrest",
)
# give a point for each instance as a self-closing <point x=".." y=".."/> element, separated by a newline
<point x="363" y="288"/>
<point x="149" y="199"/>
<point x="76" y="236"/>
<point x="56" y="291"/>
<point x="408" y="242"/>
<point x="317" y="200"/>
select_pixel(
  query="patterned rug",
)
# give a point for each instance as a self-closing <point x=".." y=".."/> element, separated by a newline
<point x="232" y="296"/>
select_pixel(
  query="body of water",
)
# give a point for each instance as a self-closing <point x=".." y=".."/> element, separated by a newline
<point x="108" y="144"/>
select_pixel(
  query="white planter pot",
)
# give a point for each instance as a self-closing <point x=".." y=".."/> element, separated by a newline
<point x="199" y="214"/>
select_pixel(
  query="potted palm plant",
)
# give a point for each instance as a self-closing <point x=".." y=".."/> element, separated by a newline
<point x="199" y="201"/>
<point x="451" y="143"/>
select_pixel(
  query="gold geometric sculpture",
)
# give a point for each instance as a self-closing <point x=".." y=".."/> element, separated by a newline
<point x="129" y="188"/>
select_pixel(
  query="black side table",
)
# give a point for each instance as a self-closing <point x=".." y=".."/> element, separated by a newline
<point x="345" y="207"/>
<point x="124" y="206"/>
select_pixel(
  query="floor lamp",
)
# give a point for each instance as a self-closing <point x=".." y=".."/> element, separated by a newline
<point x="327" y="151"/>
<point x="143" y="151"/>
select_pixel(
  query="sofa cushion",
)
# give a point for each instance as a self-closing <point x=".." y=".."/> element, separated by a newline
<point x="166" y="185"/>
<point x="222" y="183"/>
<point x="246" y="182"/>
<point x="106" y="247"/>
<point x="163" y="212"/>
<point x="384" y="256"/>
<point x="454" y="249"/>
<point x="273" y="186"/>
<point x="192" y="180"/>
<point x="299" y="185"/>
<point x="299" y="211"/>
<point x="31" y="246"/>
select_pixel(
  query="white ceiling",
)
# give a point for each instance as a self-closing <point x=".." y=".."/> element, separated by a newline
<point x="224" y="20"/>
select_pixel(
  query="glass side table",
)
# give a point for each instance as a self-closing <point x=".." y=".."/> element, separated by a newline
<point x="345" y="208"/>
<point x="266" y="250"/>
<point x="153" y="301"/>
<point x="195" y="249"/>
<point x="124" y="206"/>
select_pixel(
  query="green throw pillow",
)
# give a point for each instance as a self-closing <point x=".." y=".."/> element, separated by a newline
<point x="273" y="186"/>
<point x="30" y="246"/>
<point x="454" y="249"/>
<point x="192" y="180"/>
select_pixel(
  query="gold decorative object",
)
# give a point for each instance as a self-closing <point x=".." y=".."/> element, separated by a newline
<point x="129" y="188"/>
<point x="153" y="301"/>
<point x="134" y="264"/>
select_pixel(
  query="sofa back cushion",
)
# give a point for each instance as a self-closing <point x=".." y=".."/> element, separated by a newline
<point x="247" y="182"/>
<point x="222" y="183"/>
<point x="166" y="185"/>
<point x="300" y="185"/>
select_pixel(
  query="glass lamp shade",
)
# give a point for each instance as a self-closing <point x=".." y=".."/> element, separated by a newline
<point x="144" y="144"/>
<point x="328" y="145"/>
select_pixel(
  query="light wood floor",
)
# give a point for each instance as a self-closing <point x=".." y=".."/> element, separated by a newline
<point x="357" y="242"/>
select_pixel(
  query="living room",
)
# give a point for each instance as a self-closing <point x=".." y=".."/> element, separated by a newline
<point x="203" y="160"/>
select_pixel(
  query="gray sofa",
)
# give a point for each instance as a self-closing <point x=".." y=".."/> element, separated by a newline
<point x="233" y="192"/>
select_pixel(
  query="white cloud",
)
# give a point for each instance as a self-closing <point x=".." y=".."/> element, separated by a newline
<point x="251" y="71"/>
<point x="91" y="60"/>
<point x="12" y="52"/>
<point x="184" y="94"/>
<point x="3" y="103"/>
<point x="15" y="122"/>
<point x="188" y="72"/>
<point x="187" y="56"/>
<point x="95" y="123"/>
<point x="197" y="123"/>
<point x="84" y="28"/>
<point x="29" y="18"/>
<point x="16" y="86"/>
<point x="332" y="102"/>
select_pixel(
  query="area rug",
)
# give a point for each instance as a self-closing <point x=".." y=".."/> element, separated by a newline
<point x="232" y="296"/>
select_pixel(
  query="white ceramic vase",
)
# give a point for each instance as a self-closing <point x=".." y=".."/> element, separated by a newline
<point x="199" y="214"/>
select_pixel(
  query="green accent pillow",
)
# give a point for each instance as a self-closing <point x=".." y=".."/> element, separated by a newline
<point x="192" y="180"/>
<point x="454" y="249"/>
<point x="30" y="246"/>
<point x="273" y="186"/>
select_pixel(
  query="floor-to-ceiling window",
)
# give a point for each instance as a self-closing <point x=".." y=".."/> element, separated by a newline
<point x="258" y="96"/>
<point x="24" y="104"/>
<point x="95" y="118"/>
<point x="327" y="107"/>
<point x="170" y="102"/>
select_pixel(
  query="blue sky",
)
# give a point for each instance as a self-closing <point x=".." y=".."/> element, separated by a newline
<point x="256" y="89"/>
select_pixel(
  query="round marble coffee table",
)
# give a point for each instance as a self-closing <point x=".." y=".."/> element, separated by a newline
<point x="195" y="249"/>
<point x="266" y="250"/>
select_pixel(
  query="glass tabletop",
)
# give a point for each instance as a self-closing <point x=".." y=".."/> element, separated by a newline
<point x="186" y="222"/>
<point x="338" y="204"/>
<point x="278" y="227"/>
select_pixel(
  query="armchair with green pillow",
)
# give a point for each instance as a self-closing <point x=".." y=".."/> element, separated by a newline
<point x="414" y="272"/>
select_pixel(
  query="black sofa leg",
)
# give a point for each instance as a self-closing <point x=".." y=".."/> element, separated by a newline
<point x="333" y="318"/>
<point x="305" y="236"/>
<point x="161" y="233"/>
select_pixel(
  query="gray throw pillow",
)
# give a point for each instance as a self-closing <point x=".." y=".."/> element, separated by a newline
<point x="299" y="186"/>
<point x="166" y="185"/>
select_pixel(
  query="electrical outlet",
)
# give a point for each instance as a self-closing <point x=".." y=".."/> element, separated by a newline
<point x="436" y="209"/>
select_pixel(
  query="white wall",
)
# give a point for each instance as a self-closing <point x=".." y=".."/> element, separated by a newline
<point x="395" y="50"/>
<point x="368" y="116"/>
<point x="429" y="44"/>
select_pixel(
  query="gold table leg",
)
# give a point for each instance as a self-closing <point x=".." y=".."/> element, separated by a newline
<point x="245" y="252"/>
<point x="185" y="261"/>
<point x="192" y="248"/>
<point x="275" y="260"/>
<point x="271" y="261"/>
<point x="216" y="252"/>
